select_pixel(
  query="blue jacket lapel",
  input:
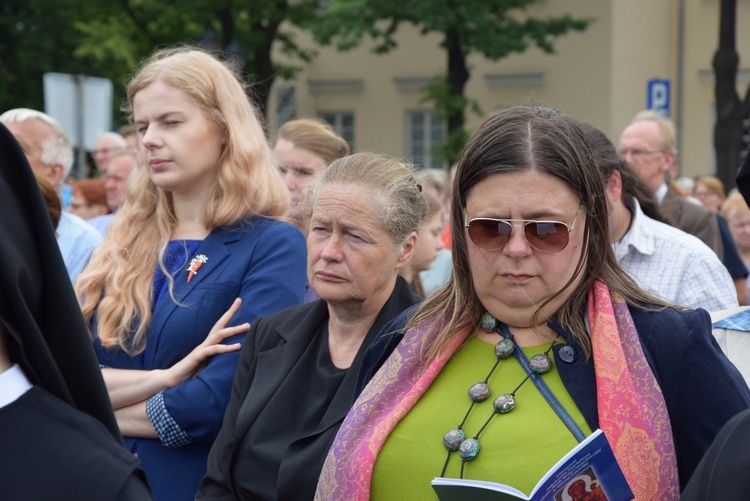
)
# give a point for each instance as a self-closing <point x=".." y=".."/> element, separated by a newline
<point x="214" y="248"/>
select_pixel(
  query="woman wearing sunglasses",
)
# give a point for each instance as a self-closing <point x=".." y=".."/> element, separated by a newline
<point x="538" y="340"/>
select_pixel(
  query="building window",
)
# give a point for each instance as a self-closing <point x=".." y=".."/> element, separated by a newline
<point x="285" y="108"/>
<point x="343" y="123"/>
<point x="425" y="133"/>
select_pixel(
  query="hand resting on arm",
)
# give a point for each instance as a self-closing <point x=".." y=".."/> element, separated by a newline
<point x="130" y="389"/>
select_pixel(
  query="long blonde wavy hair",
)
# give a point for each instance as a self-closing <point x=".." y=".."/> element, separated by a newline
<point x="525" y="138"/>
<point x="116" y="286"/>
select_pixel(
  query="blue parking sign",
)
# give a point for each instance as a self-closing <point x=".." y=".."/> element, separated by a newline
<point x="659" y="96"/>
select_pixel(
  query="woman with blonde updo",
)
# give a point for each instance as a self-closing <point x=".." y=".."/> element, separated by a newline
<point x="299" y="367"/>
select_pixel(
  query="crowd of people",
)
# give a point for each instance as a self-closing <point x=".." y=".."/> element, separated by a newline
<point x="231" y="316"/>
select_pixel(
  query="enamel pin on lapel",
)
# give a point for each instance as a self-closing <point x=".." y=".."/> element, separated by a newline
<point x="195" y="265"/>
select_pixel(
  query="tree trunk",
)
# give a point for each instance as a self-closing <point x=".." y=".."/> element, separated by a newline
<point x="261" y="77"/>
<point x="729" y="109"/>
<point x="458" y="75"/>
<point x="257" y="66"/>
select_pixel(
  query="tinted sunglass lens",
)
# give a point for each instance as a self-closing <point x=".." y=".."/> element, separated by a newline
<point x="488" y="234"/>
<point x="546" y="236"/>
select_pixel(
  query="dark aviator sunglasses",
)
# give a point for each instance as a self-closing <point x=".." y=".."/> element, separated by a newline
<point x="544" y="236"/>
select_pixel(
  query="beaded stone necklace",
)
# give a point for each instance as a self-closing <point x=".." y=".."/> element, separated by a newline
<point x="455" y="440"/>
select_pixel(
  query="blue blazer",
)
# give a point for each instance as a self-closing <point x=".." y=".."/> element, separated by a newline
<point x="701" y="387"/>
<point x="261" y="261"/>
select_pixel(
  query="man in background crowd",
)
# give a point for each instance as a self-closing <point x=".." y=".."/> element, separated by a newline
<point x="649" y="147"/>
<point x="118" y="172"/>
<point x="50" y="155"/>
<point x="105" y="147"/>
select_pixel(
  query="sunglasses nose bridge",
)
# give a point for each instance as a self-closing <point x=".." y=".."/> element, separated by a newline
<point x="517" y="242"/>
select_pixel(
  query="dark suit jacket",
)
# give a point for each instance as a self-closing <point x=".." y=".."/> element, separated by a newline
<point x="272" y="348"/>
<point x="723" y="471"/>
<point x="49" y="450"/>
<point x="693" y="219"/>
<point x="701" y="387"/>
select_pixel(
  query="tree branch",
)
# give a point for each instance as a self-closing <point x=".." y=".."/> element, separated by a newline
<point x="138" y="23"/>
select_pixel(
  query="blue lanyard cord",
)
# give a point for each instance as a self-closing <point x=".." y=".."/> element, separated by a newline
<point x="502" y="329"/>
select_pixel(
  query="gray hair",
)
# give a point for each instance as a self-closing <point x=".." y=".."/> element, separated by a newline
<point x="666" y="127"/>
<point x="56" y="149"/>
<point x="393" y="181"/>
<point x="114" y="136"/>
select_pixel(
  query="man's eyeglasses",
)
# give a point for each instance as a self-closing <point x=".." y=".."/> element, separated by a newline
<point x="544" y="236"/>
<point x="77" y="205"/>
<point x="638" y="153"/>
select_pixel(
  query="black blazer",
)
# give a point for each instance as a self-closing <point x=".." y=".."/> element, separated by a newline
<point x="272" y="348"/>
<point x="722" y="473"/>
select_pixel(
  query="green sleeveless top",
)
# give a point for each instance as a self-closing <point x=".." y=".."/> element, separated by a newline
<point x="516" y="448"/>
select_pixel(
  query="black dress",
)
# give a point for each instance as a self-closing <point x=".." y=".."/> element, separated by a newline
<point x="288" y="402"/>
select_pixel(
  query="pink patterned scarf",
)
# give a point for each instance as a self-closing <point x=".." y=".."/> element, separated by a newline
<point x="632" y="411"/>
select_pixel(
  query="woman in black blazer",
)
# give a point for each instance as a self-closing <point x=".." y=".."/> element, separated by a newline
<point x="297" y="370"/>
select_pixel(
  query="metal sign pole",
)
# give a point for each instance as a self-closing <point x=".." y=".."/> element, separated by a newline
<point x="81" y="167"/>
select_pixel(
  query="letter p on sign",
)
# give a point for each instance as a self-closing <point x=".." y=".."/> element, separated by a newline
<point x="658" y="96"/>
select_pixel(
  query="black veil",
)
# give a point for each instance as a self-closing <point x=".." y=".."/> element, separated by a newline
<point x="47" y="335"/>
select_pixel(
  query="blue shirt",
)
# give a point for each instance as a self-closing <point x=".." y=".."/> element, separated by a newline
<point x="77" y="240"/>
<point x="101" y="223"/>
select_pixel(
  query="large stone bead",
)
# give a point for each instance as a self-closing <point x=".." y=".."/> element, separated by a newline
<point x="453" y="439"/>
<point x="540" y="363"/>
<point x="504" y="348"/>
<point x="504" y="403"/>
<point x="469" y="449"/>
<point x="488" y="322"/>
<point x="479" y="392"/>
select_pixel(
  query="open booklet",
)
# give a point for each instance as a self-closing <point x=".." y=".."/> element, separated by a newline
<point x="589" y="472"/>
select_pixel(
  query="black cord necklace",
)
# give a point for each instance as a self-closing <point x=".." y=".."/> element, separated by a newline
<point x="455" y="440"/>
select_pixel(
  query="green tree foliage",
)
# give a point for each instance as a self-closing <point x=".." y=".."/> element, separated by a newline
<point x="108" y="39"/>
<point x="253" y="26"/>
<point x="36" y="36"/>
<point x="493" y="28"/>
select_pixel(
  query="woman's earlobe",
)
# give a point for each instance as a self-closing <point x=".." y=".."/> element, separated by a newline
<point x="409" y="246"/>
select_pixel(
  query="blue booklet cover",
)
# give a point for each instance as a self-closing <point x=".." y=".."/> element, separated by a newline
<point x="589" y="472"/>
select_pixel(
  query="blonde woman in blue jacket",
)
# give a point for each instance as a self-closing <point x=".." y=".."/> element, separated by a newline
<point x="198" y="229"/>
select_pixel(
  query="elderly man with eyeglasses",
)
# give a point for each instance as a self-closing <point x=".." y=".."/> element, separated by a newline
<point x="649" y="147"/>
<point x="105" y="147"/>
<point x="662" y="259"/>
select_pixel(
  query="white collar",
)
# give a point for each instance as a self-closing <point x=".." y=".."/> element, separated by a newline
<point x="661" y="193"/>
<point x="13" y="384"/>
<point x="640" y="236"/>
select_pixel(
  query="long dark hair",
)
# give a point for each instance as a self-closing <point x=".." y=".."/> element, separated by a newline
<point x="544" y="140"/>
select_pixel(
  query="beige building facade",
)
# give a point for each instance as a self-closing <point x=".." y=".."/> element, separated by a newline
<point x="600" y="76"/>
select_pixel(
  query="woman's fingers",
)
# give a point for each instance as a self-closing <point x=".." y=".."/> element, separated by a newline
<point x="222" y="334"/>
<point x="227" y="316"/>
<point x="218" y="349"/>
<point x="220" y="331"/>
